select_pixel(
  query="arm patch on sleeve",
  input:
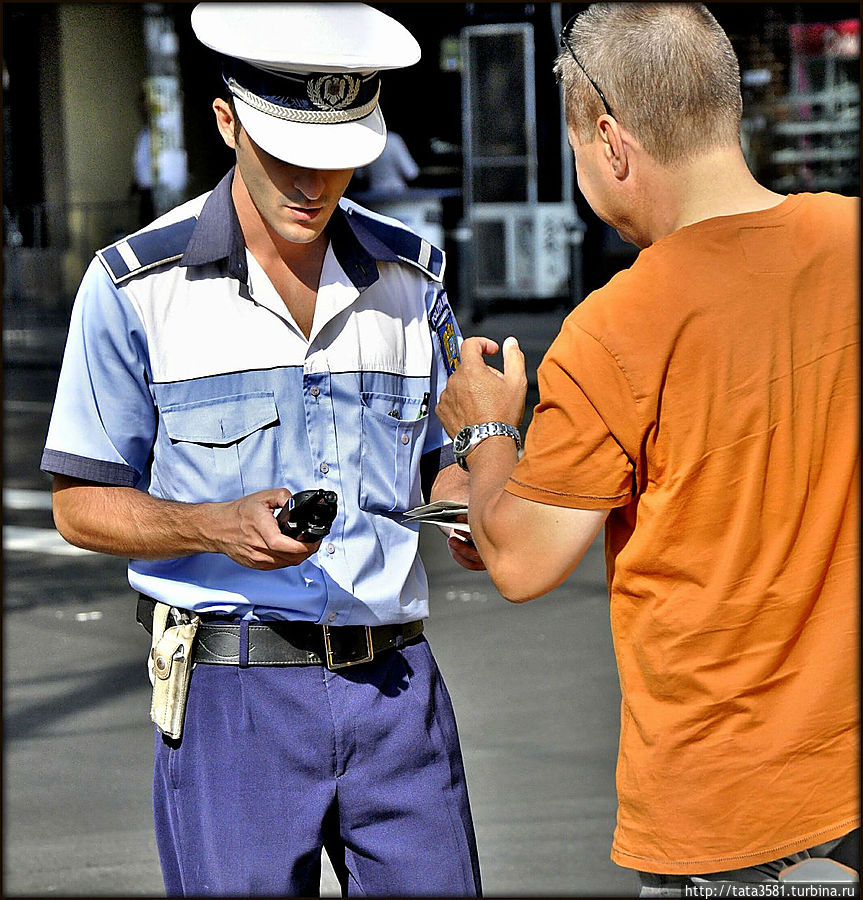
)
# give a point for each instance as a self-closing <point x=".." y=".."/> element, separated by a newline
<point x="442" y="324"/>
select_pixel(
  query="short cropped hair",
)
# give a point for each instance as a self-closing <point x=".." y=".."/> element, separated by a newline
<point x="668" y="73"/>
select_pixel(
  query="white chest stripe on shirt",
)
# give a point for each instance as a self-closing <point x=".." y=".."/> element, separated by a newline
<point x="206" y="326"/>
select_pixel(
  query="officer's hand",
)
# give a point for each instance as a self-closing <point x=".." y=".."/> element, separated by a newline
<point x="477" y="393"/>
<point x="463" y="550"/>
<point x="251" y="536"/>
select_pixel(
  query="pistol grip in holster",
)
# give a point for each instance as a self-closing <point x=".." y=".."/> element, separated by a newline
<point x="170" y="668"/>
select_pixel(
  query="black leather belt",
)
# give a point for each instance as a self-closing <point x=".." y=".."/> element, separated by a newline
<point x="279" y="643"/>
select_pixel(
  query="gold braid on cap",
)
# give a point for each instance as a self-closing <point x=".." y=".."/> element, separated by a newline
<point x="305" y="116"/>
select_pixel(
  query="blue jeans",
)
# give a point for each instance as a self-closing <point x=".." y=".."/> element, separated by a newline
<point x="277" y="762"/>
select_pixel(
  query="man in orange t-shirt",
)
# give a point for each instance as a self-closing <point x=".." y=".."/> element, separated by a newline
<point x="703" y="406"/>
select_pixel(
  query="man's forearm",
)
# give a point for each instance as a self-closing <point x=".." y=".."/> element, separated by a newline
<point x="490" y="465"/>
<point x="128" y="522"/>
<point x="528" y="548"/>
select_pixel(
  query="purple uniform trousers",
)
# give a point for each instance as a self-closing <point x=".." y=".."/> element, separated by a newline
<point x="277" y="762"/>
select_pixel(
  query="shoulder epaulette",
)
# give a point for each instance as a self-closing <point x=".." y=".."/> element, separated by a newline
<point x="403" y="243"/>
<point x="146" y="249"/>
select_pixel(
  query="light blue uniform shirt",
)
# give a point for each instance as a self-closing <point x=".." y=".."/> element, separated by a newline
<point x="185" y="375"/>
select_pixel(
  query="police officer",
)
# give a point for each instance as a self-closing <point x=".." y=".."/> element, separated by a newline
<point x="267" y="338"/>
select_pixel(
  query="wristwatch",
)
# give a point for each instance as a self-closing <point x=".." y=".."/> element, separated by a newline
<point x="471" y="435"/>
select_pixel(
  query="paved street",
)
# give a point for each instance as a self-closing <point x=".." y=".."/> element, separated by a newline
<point x="534" y="686"/>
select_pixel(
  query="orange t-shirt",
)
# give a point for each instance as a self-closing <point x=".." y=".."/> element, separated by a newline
<point x="709" y="396"/>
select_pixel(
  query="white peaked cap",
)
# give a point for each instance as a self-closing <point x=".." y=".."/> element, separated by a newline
<point x="304" y="76"/>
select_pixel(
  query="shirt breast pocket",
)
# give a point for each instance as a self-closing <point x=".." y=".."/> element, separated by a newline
<point x="393" y="430"/>
<point x="221" y="448"/>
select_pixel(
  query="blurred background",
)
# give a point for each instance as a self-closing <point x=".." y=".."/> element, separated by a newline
<point x="107" y="123"/>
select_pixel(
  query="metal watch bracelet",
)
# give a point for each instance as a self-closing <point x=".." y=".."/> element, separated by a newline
<point x="473" y="435"/>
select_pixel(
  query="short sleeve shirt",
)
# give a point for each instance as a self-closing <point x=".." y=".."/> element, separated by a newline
<point x="188" y="378"/>
<point x="709" y="397"/>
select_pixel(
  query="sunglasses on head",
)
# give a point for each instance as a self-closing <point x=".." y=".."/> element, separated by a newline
<point x="564" y="43"/>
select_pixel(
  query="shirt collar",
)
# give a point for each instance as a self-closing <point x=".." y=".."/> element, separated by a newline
<point x="218" y="236"/>
<point x="354" y="253"/>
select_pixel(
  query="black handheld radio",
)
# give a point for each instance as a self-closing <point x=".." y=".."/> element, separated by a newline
<point x="309" y="515"/>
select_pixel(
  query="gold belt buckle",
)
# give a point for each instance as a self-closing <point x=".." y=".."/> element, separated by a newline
<point x="332" y="664"/>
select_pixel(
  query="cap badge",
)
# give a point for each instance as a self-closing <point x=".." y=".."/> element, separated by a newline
<point x="333" y="91"/>
<point x="319" y="98"/>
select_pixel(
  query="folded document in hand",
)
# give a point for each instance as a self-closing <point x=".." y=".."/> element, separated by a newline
<point x="443" y="512"/>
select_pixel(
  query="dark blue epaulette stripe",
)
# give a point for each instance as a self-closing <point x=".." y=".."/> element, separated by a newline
<point x="406" y="245"/>
<point x="147" y="249"/>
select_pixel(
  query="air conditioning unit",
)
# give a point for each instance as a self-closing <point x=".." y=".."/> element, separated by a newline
<point x="522" y="250"/>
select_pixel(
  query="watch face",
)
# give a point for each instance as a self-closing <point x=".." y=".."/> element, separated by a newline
<point x="461" y="442"/>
